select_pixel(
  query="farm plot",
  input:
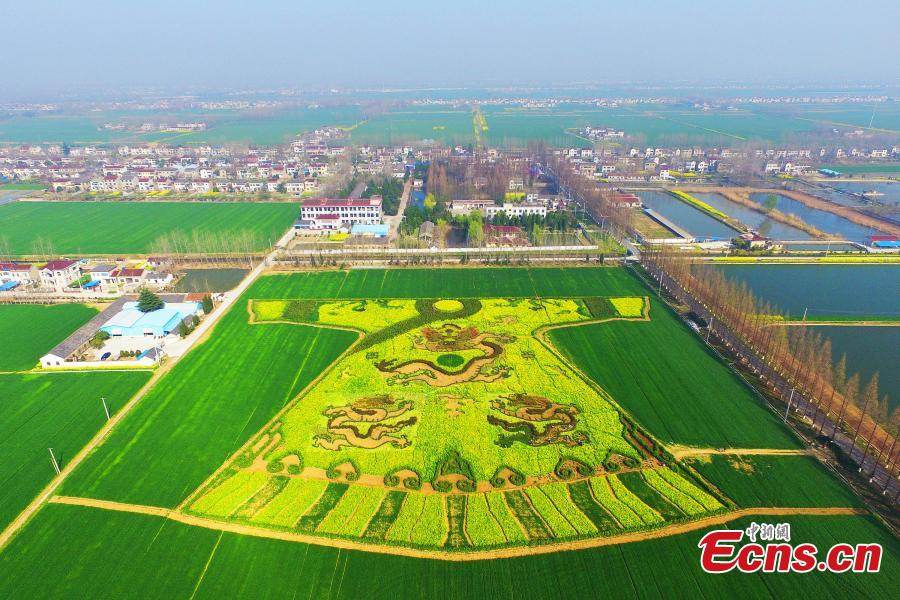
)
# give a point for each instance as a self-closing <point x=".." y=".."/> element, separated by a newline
<point x="774" y="480"/>
<point x="51" y="410"/>
<point x="204" y="409"/>
<point x="27" y="331"/>
<point x="89" y="227"/>
<point x="664" y="376"/>
<point x="444" y="396"/>
<point x="53" y="557"/>
<point x="399" y="126"/>
<point x="375" y="284"/>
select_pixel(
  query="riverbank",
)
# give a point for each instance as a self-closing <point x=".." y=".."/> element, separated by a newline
<point x="742" y="196"/>
<point x="809" y="200"/>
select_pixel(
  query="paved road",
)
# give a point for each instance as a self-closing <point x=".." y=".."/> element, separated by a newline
<point x="358" y="190"/>
<point x="394" y="221"/>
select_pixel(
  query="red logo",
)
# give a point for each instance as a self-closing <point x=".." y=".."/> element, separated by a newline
<point x="722" y="551"/>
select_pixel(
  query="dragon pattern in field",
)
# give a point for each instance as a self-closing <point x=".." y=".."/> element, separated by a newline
<point x="367" y="423"/>
<point x="536" y="421"/>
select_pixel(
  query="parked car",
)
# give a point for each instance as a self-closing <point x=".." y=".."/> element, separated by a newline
<point x="105" y="355"/>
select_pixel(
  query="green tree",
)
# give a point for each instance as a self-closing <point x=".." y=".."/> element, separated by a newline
<point x="476" y="229"/>
<point x="207" y="304"/>
<point x="99" y="338"/>
<point x="770" y="202"/>
<point x="148" y="301"/>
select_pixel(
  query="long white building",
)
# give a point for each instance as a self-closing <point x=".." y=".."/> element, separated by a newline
<point x="334" y="213"/>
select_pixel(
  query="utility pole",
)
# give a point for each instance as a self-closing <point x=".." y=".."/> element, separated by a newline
<point x="53" y="460"/>
<point x="105" y="408"/>
<point x="788" y="409"/>
<point x="709" y="328"/>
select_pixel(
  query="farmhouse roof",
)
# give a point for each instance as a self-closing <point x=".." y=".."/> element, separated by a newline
<point x="84" y="333"/>
<point x="57" y="265"/>
<point x="343" y="202"/>
<point x="15" y="267"/>
<point x="128" y="272"/>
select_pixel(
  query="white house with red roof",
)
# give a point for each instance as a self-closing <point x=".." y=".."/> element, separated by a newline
<point x="57" y="274"/>
<point x="337" y="213"/>
<point x="21" y="273"/>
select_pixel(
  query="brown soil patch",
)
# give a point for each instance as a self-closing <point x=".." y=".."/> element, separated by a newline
<point x="258" y="446"/>
<point x="454" y="405"/>
<point x="739" y="465"/>
<point x="680" y="452"/>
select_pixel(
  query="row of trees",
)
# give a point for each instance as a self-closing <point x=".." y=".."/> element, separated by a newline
<point x="597" y="202"/>
<point x="798" y="354"/>
<point x="208" y="245"/>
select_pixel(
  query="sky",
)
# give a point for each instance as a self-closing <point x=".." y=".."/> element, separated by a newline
<point x="54" y="47"/>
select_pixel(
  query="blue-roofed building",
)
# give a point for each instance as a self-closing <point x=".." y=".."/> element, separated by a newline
<point x="130" y="322"/>
<point x="371" y="230"/>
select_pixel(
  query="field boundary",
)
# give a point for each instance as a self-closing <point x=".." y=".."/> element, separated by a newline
<point x="512" y="552"/>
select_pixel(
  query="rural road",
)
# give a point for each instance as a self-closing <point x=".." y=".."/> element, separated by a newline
<point x="394" y="221"/>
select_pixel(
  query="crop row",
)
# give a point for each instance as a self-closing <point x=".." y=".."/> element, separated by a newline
<point x="553" y="511"/>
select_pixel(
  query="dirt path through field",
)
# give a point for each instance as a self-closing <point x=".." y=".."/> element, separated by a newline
<point x="624" y="538"/>
<point x="680" y="452"/>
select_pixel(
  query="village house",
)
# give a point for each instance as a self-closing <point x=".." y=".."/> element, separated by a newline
<point x="57" y="274"/>
<point x="23" y="274"/>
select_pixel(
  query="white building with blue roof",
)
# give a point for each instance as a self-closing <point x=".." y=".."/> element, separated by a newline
<point x="131" y="322"/>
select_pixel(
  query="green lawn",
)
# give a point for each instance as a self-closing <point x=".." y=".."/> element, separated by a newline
<point x="28" y="331"/>
<point x="674" y="386"/>
<point x="775" y="481"/>
<point x="51" y="410"/>
<point x="69" y="551"/>
<point x="136" y="227"/>
<point x="196" y="416"/>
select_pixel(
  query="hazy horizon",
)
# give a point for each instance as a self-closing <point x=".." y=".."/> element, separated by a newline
<point x="105" y="46"/>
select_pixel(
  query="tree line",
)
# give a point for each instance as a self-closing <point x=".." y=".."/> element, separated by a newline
<point x="799" y="354"/>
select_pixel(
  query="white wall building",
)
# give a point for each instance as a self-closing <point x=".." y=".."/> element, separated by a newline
<point x="348" y="211"/>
